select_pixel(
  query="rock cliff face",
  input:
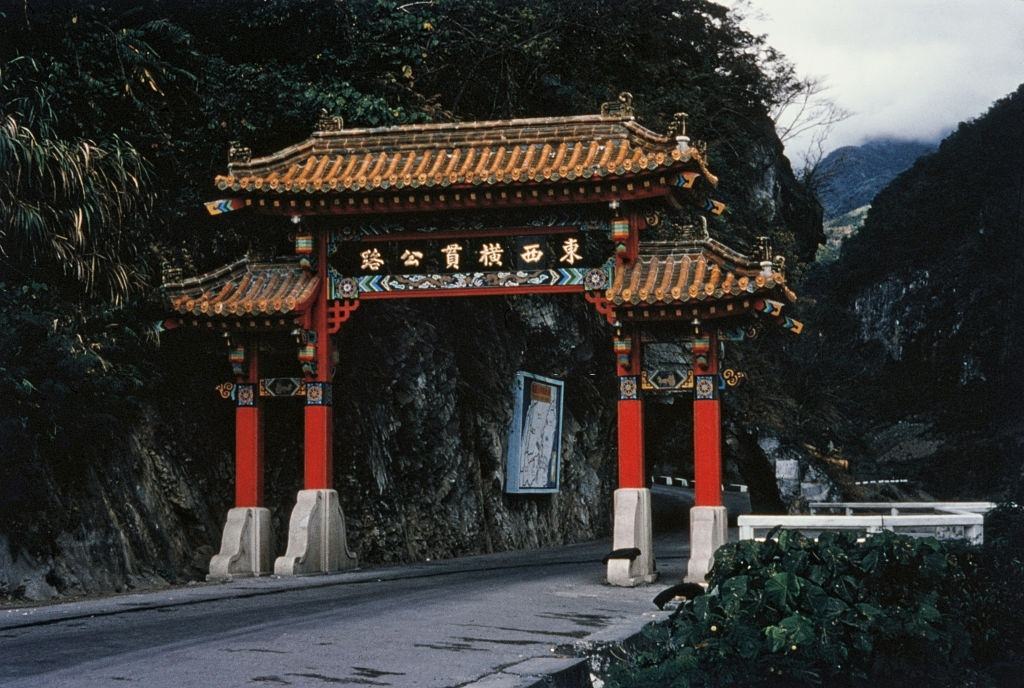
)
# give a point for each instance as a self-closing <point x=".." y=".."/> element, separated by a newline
<point x="423" y="407"/>
<point x="926" y="290"/>
<point x="424" y="418"/>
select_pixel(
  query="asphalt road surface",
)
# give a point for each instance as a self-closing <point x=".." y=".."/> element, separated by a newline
<point x="442" y="623"/>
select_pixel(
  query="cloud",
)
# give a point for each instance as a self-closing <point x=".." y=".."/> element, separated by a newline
<point x="906" y="69"/>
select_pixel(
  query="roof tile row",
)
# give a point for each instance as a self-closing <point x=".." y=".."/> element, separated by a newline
<point x="245" y="289"/>
<point x="513" y="151"/>
<point x="674" y="273"/>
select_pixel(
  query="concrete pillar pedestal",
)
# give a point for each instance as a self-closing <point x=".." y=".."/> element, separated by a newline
<point x="708" y="531"/>
<point x="245" y="546"/>
<point x="632" y="528"/>
<point x="316" y="537"/>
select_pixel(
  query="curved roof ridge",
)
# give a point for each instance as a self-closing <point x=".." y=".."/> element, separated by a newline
<point x="406" y="137"/>
<point x="266" y="291"/>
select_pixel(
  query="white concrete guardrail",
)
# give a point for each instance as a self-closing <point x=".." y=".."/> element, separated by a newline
<point x="894" y="508"/>
<point x="947" y="520"/>
<point x="689" y="482"/>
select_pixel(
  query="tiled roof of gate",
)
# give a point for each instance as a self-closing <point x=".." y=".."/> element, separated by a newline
<point x="244" y="289"/>
<point x="465" y="154"/>
<point x="696" y="270"/>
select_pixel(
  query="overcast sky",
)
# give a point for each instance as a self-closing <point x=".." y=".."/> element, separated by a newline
<point x="906" y="68"/>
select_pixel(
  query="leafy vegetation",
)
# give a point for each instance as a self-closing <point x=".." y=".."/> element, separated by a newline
<point x="890" y="610"/>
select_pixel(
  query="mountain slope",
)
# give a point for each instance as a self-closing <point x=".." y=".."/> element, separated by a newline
<point x="923" y="328"/>
<point x="851" y="176"/>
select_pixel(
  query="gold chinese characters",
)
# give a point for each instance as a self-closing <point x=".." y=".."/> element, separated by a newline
<point x="411" y="259"/>
<point x="570" y="251"/>
<point x="372" y="260"/>
<point x="531" y="253"/>
<point x="487" y="254"/>
<point x="451" y="256"/>
<point x="490" y="255"/>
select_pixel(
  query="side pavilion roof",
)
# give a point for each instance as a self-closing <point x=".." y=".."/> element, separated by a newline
<point x="693" y="271"/>
<point x="244" y="289"/>
<point x="467" y="154"/>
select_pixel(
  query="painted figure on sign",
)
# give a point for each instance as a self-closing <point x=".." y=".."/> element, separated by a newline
<point x="490" y="255"/>
<point x="539" y="467"/>
<point x="372" y="260"/>
<point x="570" y="251"/>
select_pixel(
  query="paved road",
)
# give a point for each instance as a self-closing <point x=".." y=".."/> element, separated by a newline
<point x="671" y="507"/>
<point x="442" y="623"/>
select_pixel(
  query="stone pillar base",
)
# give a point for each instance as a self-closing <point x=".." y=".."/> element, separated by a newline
<point x="632" y="528"/>
<point x="316" y="536"/>
<point x="245" y="546"/>
<point x="708" y="531"/>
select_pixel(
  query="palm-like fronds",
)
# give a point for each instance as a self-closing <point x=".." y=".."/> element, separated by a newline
<point x="69" y="203"/>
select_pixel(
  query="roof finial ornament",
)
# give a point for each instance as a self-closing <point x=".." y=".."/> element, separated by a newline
<point x="329" y="122"/>
<point x="237" y="153"/>
<point x="764" y="253"/>
<point x="623" y="107"/>
<point x="170" y="272"/>
<point x="677" y="127"/>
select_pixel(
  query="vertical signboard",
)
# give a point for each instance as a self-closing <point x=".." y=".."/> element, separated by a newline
<point x="534" y="463"/>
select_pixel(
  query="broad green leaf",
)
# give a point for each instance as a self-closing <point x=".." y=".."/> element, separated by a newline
<point x="799" y="630"/>
<point x="777" y="637"/>
<point x="869" y="564"/>
<point x="870" y="611"/>
<point x="781" y="590"/>
<point x="735" y="586"/>
<point x="815" y="598"/>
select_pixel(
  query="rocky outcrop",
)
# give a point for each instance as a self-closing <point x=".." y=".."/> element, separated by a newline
<point x="921" y="331"/>
<point x="422" y="424"/>
<point x="887" y="313"/>
<point x="141" y="520"/>
<point x="423" y="408"/>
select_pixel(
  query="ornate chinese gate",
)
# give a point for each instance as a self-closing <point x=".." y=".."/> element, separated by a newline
<point x="586" y="204"/>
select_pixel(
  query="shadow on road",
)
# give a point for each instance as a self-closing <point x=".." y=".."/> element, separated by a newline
<point x="670" y="507"/>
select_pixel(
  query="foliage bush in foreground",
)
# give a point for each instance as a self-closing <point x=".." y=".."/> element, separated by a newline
<point x="890" y="610"/>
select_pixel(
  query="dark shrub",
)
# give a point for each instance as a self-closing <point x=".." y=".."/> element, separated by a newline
<point x="889" y="610"/>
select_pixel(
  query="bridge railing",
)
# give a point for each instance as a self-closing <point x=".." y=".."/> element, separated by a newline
<point x="947" y="520"/>
<point x="690" y="482"/>
<point x="896" y="508"/>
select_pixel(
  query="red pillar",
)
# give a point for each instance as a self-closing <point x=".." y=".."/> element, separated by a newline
<point x="249" y="434"/>
<point x="319" y="416"/>
<point x="630" y="412"/>
<point x="707" y="424"/>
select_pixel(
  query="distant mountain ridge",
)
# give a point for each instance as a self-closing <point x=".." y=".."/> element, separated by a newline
<point x="851" y="176"/>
